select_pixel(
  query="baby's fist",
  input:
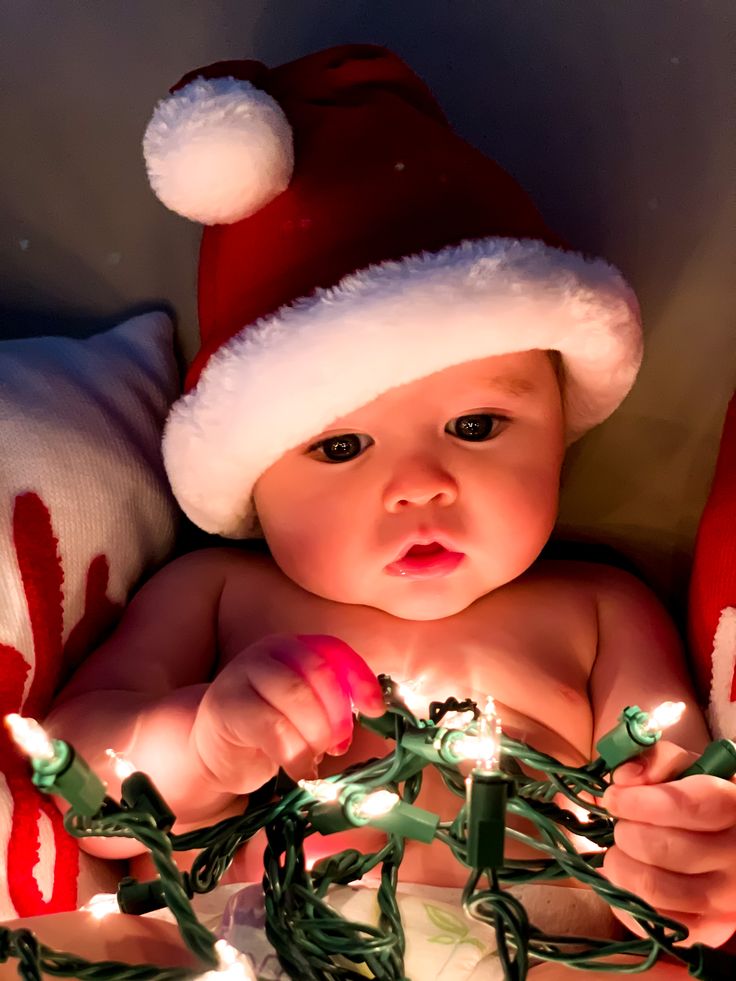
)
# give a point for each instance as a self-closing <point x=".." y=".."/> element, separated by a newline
<point x="284" y="701"/>
<point x="675" y="842"/>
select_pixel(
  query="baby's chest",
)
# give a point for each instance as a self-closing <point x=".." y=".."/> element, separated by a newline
<point x="530" y="651"/>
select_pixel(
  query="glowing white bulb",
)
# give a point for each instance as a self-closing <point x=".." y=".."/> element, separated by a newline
<point x="102" y="905"/>
<point x="482" y="749"/>
<point x="665" y="715"/>
<point x="123" y="768"/>
<point x="232" y="965"/>
<point x="29" y="736"/>
<point x="409" y="692"/>
<point x="488" y="745"/>
<point x="457" y="720"/>
<point x="375" y="804"/>
<point x="321" y="790"/>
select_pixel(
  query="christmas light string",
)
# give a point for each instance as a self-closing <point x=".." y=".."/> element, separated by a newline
<point x="311" y="939"/>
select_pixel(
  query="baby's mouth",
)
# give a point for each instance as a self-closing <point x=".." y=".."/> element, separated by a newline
<point x="434" y="548"/>
<point x="424" y="561"/>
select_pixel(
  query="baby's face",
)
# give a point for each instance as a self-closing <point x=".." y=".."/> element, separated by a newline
<point x="469" y="457"/>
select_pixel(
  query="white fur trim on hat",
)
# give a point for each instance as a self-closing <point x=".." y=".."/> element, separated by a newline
<point x="218" y="150"/>
<point x="721" y="710"/>
<point x="287" y="377"/>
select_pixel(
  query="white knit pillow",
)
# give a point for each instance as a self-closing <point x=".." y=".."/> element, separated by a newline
<point x="85" y="509"/>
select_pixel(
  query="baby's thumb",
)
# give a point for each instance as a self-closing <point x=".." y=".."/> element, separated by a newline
<point x="664" y="761"/>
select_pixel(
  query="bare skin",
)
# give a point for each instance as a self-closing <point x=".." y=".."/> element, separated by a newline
<point x="562" y="647"/>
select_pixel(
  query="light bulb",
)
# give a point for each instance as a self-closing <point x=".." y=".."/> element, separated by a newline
<point x="122" y="767"/>
<point x="375" y="804"/>
<point x="232" y="965"/>
<point x="30" y="737"/>
<point x="101" y="905"/>
<point x="322" y="790"/>
<point x="665" y="715"/>
<point x="409" y="692"/>
<point x="457" y="720"/>
<point x="487" y="744"/>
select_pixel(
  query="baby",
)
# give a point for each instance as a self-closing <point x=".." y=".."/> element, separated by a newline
<point x="419" y="351"/>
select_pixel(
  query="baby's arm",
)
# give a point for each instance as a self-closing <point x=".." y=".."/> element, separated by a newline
<point x="139" y="692"/>
<point x="675" y="843"/>
<point x="640" y="660"/>
<point x="208" y="736"/>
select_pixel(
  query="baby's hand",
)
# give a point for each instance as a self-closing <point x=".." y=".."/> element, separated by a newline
<point x="675" y="842"/>
<point x="284" y="701"/>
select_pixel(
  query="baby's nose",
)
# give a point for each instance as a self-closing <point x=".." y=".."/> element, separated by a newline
<point x="419" y="482"/>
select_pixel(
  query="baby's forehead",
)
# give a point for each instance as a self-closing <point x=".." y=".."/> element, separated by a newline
<point x="515" y="375"/>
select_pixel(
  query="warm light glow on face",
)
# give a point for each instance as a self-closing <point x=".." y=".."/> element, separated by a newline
<point x="30" y="737"/>
<point x="122" y="767"/>
<point x="665" y="715"/>
<point x="496" y="501"/>
<point x="376" y="804"/>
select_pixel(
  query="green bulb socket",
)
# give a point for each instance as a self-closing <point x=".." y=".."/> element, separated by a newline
<point x="384" y="725"/>
<point x="486" y="821"/>
<point x="328" y="817"/>
<point x="717" y="760"/>
<point x="68" y="776"/>
<point x="628" y="739"/>
<point x="434" y="744"/>
<point x="140" y="794"/>
<point x="408" y="821"/>
<point x="140" y="897"/>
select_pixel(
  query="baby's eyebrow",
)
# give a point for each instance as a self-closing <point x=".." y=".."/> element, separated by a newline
<point x="512" y="386"/>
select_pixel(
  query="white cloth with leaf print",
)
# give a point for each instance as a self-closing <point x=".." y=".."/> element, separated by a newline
<point x="441" y="941"/>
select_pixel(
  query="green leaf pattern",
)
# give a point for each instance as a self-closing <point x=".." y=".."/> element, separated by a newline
<point x="455" y="931"/>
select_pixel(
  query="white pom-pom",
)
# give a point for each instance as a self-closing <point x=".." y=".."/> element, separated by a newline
<point x="218" y="150"/>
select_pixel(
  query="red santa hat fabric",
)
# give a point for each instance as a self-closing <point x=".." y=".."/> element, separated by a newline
<point x="712" y="606"/>
<point x="354" y="243"/>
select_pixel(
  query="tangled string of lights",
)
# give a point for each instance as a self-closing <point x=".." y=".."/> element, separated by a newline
<point x="312" y="940"/>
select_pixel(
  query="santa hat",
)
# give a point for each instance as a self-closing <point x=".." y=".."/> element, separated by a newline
<point x="712" y="606"/>
<point x="354" y="243"/>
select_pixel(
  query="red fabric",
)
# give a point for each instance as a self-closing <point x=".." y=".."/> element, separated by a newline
<point x="378" y="175"/>
<point x="713" y="580"/>
<point x="41" y="571"/>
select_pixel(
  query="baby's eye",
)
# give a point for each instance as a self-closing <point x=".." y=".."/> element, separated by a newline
<point x="475" y="428"/>
<point x="338" y="449"/>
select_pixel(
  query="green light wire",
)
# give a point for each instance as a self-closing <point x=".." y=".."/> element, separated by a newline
<point x="314" y="942"/>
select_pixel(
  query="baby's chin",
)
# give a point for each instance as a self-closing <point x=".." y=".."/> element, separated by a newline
<point x="422" y="608"/>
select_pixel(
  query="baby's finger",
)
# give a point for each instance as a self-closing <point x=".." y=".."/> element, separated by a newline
<point x="708" y="892"/>
<point x="332" y="693"/>
<point x="697" y="803"/>
<point x="677" y="850"/>
<point x="282" y="688"/>
<point x="664" y="761"/>
<point x="350" y="667"/>
<point x="267" y="730"/>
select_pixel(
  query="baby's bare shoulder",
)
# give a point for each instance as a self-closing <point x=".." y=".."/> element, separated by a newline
<point x="592" y="596"/>
<point x="587" y="581"/>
